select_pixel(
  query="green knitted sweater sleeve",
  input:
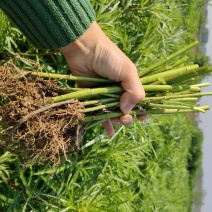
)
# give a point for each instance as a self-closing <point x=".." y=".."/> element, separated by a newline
<point x="50" y="23"/>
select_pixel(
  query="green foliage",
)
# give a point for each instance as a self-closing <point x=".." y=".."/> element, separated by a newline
<point x="11" y="38"/>
<point x="201" y="60"/>
<point x="144" y="167"/>
<point x="148" y="31"/>
<point x="149" y="166"/>
<point x="5" y="158"/>
<point x="195" y="154"/>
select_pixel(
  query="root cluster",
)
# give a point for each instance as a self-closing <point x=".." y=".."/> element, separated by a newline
<point x="30" y="127"/>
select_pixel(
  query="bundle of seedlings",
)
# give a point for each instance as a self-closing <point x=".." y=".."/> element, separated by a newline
<point x="44" y="121"/>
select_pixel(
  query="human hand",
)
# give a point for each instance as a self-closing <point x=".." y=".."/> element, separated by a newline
<point x="92" y="55"/>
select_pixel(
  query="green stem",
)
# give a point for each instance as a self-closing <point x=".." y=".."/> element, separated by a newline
<point x="166" y="68"/>
<point x="173" y="88"/>
<point x="112" y="95"/>
<point x="139" y="112"/>
<point x="88" y="93"/>
<point x="179" y="101"/>
<point x="174" y="72"/>
<point x="202" y="84"/>
<point x="94" y="123"/>
<point x="68" y="77"/>
<point x="185" y="75"/>
<point x="69" y="90"/>
<point x="160" y="63"/>
<point x="165" y="106"/>
<point x="100" y="107"/>
<point x="191" y="99"/>
<point x="92" y="102"/>
<point x="185" y="92"/>
<point x="176" y="96"/>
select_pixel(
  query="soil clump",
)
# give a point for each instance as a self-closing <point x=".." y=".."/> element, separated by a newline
<point x="31" y="128"/>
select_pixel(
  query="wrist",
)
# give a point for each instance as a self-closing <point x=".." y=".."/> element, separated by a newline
<point x="85" y="44"/>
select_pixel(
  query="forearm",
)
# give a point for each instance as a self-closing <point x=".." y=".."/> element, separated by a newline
<point x="50" y="23"/>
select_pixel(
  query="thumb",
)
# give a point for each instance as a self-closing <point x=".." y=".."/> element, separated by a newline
<point x="134" y="91"/>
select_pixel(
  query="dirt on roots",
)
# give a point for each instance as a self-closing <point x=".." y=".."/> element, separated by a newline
<point x="31" y="128"/>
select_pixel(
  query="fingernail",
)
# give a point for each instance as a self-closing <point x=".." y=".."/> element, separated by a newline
<point x="144" y="117"/>
<point x="128" y="108"/>
<point x="126" y="122"/>
<point x="117" y="123"/>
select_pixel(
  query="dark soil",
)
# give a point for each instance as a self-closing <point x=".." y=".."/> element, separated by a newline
<point x="31" y="128"/>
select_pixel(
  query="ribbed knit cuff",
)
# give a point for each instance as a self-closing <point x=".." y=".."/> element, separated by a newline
<point x="50" y="23"/>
